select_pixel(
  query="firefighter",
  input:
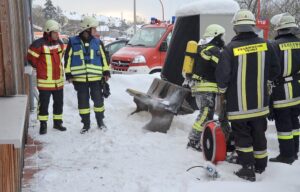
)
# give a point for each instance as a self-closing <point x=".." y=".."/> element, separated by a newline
<point x="286" y="91"/>
<point x="247" y="64"/>
<point x="85" y="66"/>
<point x="45" y="55"/>
<point x="204" y="86"/>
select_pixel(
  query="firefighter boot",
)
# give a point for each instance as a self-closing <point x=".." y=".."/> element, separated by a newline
<point x="194" y="140"/>
<point x="43" y="127"/>
<point x="85" y="129"/>
<point x="195" y="144"/>
<point x="246" y="172"/>
<point x="101" y="125"/>
<point x="58" y="125"/>
<point x="282" y="159"/>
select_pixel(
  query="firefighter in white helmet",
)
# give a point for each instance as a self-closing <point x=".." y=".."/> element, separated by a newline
<point x="247" y="63"/>
<point x="86" y="66"/>
<point x="204" y="86"/>
<point x="286" y="91"/>
<point x="45" y="54"/>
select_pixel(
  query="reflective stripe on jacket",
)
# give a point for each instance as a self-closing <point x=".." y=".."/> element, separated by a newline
<point x="246" y="65"/>
<point x="46" y="57"/>
<point x="287" y="94"/>
<point x="85" y="64"/>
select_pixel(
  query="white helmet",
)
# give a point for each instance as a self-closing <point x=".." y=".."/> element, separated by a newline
<point x="213" y="30"/>
<point x="51" y="25"/>
<point x="283" y="21"/>
<point x="243" y="17"/>
<point x="88" y="22"/>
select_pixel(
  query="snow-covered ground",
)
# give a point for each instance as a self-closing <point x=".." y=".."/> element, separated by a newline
<point x="126" y="158"/>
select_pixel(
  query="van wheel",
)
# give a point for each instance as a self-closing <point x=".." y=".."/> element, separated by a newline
<point x="155" y="71"/>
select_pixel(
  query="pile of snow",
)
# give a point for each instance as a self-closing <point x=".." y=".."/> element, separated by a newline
<point x="126" y="158"/>
<point x="208" y="7"/>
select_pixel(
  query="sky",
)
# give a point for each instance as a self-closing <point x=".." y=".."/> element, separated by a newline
<point x="115" y="8"/>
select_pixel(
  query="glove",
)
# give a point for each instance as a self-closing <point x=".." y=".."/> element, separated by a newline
<point x="186" y="83"/>
<point x="106" y="75"/>
<point x="270" y="87"/>
<point x="271" y="116"/>
<point x="105" y="89"/>
<point x="68" y="77"/>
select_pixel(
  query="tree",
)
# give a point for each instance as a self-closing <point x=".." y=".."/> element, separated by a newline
<point x="38" y="16"/>
<point x="248" y="4"/>
<point x="60" y="17"/>
<point x="49" y="10"/>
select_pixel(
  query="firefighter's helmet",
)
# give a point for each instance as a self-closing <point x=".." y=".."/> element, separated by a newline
<point x="243" y="17"/>
<point x="213" y="30"/>
<point x="283" y="21"/>
<point x="88" y="22"/>
<point x="243" y="21"/>
<point x="51" y="25"/>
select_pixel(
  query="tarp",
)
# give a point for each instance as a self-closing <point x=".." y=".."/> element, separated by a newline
<point x="186" y="29"/>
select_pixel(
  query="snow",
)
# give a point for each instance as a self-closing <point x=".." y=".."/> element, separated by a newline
<point x="129" y="159"/>
<point x="208" y="7"/>
<point x="107" y="20"/>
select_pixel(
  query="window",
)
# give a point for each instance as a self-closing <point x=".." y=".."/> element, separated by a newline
<point x="147" y="37"/>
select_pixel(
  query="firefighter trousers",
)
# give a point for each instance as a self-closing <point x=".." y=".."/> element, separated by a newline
<point x="85" y="91"/>
<point x="44" y="99"/>
<point x="250" y="142"/>
<point x="206" y="105"/>
<point x="287" y="125"/>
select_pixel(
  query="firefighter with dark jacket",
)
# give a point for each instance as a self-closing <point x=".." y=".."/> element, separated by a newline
<point x="204" y="86"/>
<point x="247" y="65"/>
<point x="45" y="55"/>
<point x="286" y="90"/>
<point x="85" y="67"/>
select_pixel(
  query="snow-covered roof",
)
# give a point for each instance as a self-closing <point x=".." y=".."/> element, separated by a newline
<point x="208" y="7"/>
<point x="78" y="16"/>
<point x="103" y="28"/>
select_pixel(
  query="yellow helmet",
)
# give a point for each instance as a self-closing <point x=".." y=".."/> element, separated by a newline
<point x="243" y="17"/>
<point x="213" y="30"/>
<point x="88" y="22"/>
<point x="283" y="21"/>
<point x="51" y="25"/>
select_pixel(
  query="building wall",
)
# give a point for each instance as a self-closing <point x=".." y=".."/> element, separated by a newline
<point x="15" y="35"/>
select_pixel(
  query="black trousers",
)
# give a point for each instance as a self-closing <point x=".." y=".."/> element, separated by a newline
<point x="250" y="141"/>
<point x="287" y="125"/>
<point x="58" y="102"/>
<point x="85" y="91"/>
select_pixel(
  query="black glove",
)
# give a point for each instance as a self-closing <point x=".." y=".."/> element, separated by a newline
<point x="68" y="76"/>
<point x="106" y="73"/>
<point x="105" y="89"/>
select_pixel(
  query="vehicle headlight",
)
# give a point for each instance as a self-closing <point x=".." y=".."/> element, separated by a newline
<point x="139" y="59"/>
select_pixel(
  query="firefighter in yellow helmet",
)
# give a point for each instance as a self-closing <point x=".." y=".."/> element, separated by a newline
<point x="286" y="91"/>
<point x="204" y="86"/>
<point x="45" y="54"/>
<point x="246" y="66"/>
<point x="86" y="67"/>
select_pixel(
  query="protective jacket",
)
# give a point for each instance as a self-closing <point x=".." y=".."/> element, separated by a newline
<point x="45" y="55"/>
<point x="204" y="70"/>
<point x="246" y="65"/>
<point x="85" y="62"/>
<point x="286" y="92"/>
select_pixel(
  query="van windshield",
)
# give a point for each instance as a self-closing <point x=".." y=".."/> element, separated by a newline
<point x="147" y="37"/>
